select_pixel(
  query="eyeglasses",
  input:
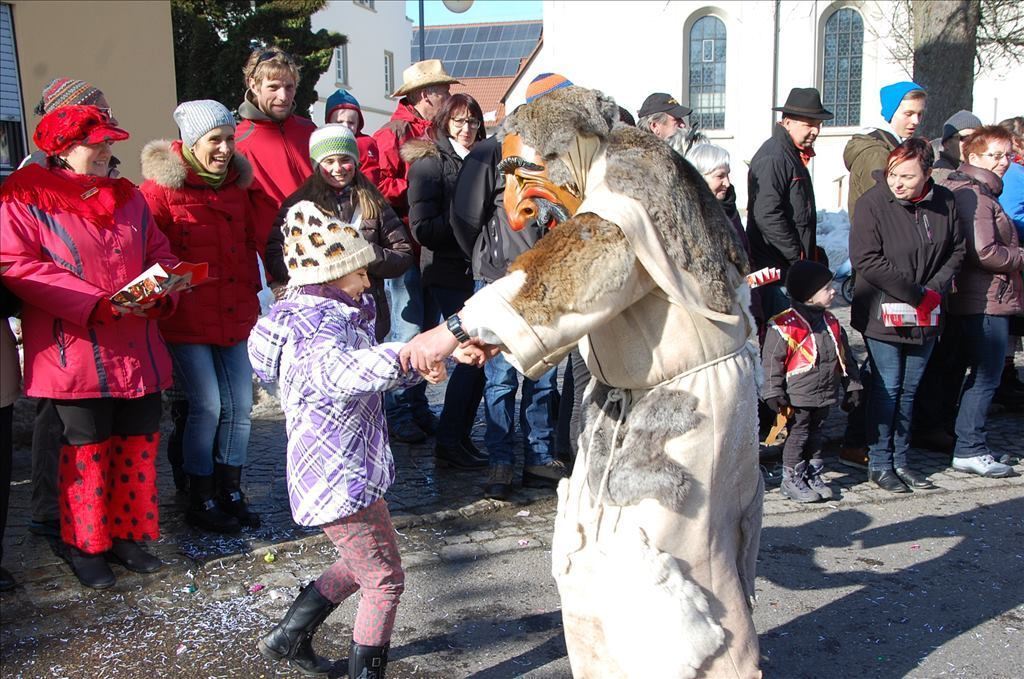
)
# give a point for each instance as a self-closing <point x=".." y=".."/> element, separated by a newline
<point x="462" y="122"/>
<point x="998" y="156"/>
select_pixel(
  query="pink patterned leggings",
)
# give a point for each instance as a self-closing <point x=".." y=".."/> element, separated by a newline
<point x="368" y="560"/>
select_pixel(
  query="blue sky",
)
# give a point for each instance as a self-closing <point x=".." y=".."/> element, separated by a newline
<point x="482" y="10"/>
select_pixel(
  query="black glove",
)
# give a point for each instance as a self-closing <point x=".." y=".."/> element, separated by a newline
<point x="851" y="400"/>
<point x="777" y="403"/>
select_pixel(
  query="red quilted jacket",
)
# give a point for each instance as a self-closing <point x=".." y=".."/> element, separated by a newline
<point x="217" y="226"/>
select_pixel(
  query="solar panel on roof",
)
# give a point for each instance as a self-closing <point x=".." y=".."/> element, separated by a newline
<point x="480" y="51"/>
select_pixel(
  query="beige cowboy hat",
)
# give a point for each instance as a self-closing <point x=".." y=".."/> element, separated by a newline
<point x="422" y="74"/>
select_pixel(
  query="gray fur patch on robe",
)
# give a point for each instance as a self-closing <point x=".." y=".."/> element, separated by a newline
<point x="640" y="469"/>
<point x="693" y="227"/>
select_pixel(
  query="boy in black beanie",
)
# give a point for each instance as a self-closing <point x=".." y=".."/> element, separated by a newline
<point x="805" y="357"/>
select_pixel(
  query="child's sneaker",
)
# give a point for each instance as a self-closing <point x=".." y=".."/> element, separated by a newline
<point x="795" y="487"/>
<point x="816" y="480"/>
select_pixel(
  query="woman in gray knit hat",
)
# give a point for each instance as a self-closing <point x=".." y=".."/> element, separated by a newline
<point x="201" y="195"/>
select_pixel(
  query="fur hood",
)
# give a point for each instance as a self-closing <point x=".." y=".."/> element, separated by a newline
<point x="694" y="229"/>
<point x="163" y="164"/>
<point x="417" y="149"/>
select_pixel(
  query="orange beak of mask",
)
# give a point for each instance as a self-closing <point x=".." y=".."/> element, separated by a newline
<point x="530" y="196"/>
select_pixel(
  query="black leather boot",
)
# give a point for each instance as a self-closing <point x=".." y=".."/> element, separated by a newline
<point x="913" y="480"/>
<point x="91" y="569"/>
<point x="132" y="556"/>
<point x="292" y="639"/>
<point x="175" y="444"/>
<point x="203" y="511"/>
<point x="457" y="457"/>
<point x="886" y="479"/>
<point x="367" y="662"/>
<point x="230" y="497"/>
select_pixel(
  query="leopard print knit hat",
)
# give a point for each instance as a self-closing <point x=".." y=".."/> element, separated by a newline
<point x="318" y="248"/>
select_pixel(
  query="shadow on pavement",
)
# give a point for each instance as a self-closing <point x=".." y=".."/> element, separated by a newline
<point x="892" y="621"/>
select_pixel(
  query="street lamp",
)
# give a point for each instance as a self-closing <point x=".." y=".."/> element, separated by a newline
<point x="456" y="6"/>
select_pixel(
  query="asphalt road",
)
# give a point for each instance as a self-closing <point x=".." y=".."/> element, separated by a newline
<point x="928" y="586"/>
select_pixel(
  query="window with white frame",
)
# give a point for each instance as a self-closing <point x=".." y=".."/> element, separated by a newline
<point x="842" y="70"/>
<point x="389" y="73"/>
<point x="368" y="4"/>
<point x="341" y="65"/>
<point x="707" y="73"/>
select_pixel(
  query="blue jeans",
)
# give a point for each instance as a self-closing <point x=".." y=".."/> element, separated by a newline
<point x="896" y="371"/>
<point x="217" y="382"/>
<point x="407" y="320"/>
<point x="537" y="413"/>
<point x="983" y="340"/>
<point x="466" y="383"/>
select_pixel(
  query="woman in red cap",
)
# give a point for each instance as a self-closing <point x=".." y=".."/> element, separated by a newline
<point x="70" y="237"/>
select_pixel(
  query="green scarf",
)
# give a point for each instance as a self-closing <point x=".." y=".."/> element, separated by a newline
<point x="214" y="180"/>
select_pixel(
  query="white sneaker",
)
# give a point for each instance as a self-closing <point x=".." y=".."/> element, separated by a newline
<point x="982" y="465"/>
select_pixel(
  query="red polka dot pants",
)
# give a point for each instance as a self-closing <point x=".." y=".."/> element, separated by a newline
<point x="108" y="490"/>
<point x="369" y="561"/>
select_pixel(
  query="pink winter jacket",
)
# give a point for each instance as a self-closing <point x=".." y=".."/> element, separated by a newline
<point x="61" y="266"/>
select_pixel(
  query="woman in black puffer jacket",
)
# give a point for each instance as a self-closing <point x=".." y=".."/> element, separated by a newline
<point x="447" y="276"/>
<point x="905" y="246"/>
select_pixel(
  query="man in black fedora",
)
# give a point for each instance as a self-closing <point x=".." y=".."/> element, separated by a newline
<point x="781" y="214"/>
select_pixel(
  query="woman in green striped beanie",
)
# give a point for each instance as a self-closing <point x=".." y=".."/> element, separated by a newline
<point x="340" y="189"/>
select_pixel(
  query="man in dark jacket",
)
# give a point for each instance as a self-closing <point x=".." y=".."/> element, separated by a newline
<point x="903" y="108"/>
<point x="482" y="228"/>
<point x="781" y="215"/>
<point x="949" y="149"/>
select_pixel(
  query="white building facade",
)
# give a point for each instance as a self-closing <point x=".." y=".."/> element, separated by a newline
<point x="733" y="60"/>
<point x="370" y="66"/>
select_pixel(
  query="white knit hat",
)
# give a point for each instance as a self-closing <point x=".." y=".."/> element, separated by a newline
<point x="318" y="248"/>
<point x="196" y="118"/>
<point x="330" y="140"/>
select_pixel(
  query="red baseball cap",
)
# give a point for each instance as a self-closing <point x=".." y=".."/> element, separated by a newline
<point x="64" y="127"/>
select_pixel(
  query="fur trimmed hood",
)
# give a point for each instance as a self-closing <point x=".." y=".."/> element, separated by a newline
<point x="694" y="229"/>
<point x="417" y="149"/>
<point x="162" y="163"/>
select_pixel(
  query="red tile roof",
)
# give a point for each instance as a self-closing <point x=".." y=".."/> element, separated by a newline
<point x="488" y="93"/>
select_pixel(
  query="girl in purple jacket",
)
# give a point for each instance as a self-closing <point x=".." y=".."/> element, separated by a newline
<point x="319" y="344"/>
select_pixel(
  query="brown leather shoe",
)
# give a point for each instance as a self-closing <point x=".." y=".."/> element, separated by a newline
<point x="854" y="456"/>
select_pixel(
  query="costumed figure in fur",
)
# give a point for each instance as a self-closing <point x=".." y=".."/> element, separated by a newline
<point x="657" y="530"/>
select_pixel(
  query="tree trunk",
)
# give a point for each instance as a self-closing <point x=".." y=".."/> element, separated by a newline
<point x="945" y="47"/>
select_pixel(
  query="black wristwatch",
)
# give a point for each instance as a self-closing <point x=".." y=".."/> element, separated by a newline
<point x="454" y="324"/>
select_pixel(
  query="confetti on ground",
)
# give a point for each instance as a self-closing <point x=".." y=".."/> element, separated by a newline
<point x="180" y="649"/>
<point x="189" y="589"/>
<point x="525" y="512"/>
<point x="524" y="543"/>
<point x="255" y="588"/>
<point x="269" y="557"/>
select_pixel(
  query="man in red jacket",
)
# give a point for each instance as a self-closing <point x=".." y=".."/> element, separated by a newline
<point x="273" y="139"/>
<point x="424" y="91"/>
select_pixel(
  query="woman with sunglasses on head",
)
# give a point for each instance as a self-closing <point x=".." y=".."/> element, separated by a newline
<point x="70" y="238"/>
<point x="988" y="290"/>
<point x="447" y="276"/>
<point x="340" y="190"/>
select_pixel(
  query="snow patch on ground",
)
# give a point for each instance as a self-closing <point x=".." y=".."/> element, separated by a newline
<point x="834" y="236"/>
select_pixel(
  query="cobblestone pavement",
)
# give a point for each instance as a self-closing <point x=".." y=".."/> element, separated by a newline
<point x="421" y="495"/>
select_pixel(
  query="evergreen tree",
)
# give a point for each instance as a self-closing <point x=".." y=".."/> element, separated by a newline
<point x="213" y="39"/>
